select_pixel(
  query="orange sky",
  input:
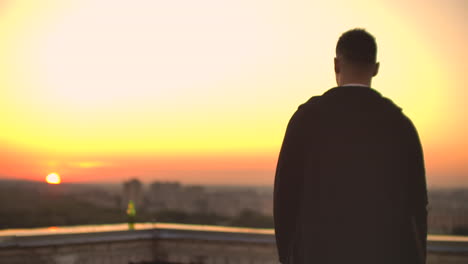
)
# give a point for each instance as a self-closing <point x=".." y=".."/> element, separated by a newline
<point x="201" y="91"/>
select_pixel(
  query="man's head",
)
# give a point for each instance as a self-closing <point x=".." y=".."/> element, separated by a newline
<point x="355" y="60"/>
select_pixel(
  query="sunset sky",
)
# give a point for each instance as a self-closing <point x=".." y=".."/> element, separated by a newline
<point x="201" y="91"/>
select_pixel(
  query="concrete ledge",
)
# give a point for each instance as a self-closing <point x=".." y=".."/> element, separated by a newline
<point x="70" y="239"/>
<point x="215" y="236"/>
<point x="449" y="244"/>
<point x="170" y="234"/>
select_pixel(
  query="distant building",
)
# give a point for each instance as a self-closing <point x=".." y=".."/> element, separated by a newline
<point x="133" y="190"/>
<point x="165" y="195"/>
<point x="196" y="199"/>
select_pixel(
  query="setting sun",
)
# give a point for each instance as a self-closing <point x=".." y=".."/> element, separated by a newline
<point x="53" y="178"/>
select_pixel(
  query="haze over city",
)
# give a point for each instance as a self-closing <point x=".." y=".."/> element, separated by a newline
<point x="201" y="91"/>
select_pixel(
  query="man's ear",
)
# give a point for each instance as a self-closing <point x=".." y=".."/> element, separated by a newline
<point x="337" y="65"/>
<point x="376" y="69"/>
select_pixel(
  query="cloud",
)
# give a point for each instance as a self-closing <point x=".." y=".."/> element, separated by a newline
<point x="88" y="164"/>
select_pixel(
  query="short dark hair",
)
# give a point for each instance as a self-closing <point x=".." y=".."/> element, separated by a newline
<point x="357" y="46"/>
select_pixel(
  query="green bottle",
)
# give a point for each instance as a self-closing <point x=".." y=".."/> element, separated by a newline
<point x="131" y="213"/>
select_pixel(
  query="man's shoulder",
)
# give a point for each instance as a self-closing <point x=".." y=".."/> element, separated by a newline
<point x="350" y="100"/>
<point x="306" y="111"/>
<point x="313" y="102"/>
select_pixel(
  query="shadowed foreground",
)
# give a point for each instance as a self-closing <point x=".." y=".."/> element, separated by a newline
<point x="168" y="243"/>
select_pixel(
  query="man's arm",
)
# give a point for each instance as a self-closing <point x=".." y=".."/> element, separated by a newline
<point x="288" y="185"/>
<point x="418" y="194"/>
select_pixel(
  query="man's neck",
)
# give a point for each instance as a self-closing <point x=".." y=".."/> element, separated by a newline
<point x="354" y="79"/>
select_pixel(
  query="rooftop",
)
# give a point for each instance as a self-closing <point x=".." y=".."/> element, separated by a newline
<point x="174" y="243"/>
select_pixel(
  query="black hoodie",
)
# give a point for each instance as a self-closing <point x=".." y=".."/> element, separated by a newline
<point x="350" y="183"/>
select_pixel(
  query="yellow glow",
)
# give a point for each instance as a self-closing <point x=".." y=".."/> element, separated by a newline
<point x="53" y="178"/>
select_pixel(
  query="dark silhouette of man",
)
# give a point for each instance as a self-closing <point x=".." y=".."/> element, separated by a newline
<point x="350" y="182"/>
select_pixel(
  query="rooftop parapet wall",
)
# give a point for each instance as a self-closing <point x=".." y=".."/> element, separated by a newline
<point x="169" y="243"/>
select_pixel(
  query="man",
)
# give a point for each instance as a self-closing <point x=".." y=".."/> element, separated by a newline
<point x="350" y="182"/>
